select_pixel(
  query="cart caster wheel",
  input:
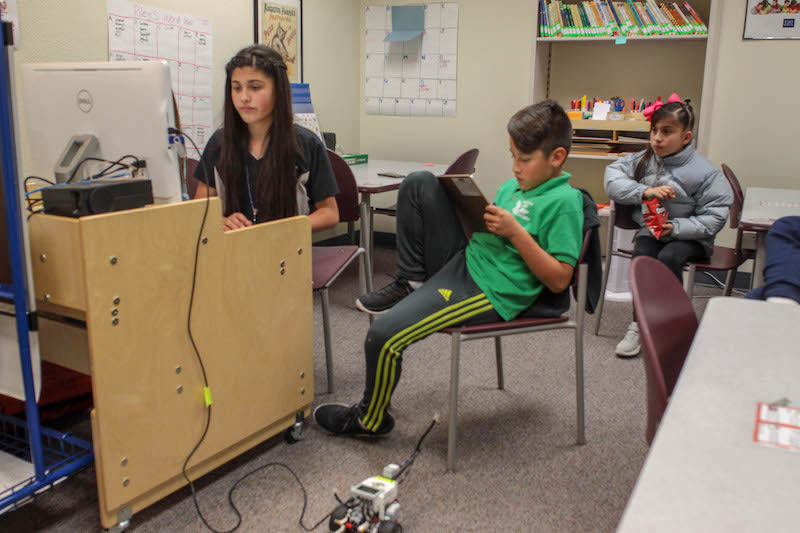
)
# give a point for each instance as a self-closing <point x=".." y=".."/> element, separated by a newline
<point x="119" y="527"/>
<point x="294" y="433"/>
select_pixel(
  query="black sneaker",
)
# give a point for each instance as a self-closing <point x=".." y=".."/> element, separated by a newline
<point x="380" y="301"/>
<point x="341" y="419"/>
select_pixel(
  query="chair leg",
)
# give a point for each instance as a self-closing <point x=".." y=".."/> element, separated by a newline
<point x="688" y="280"/>
<point x="498" y="351"/>
<point x="599" y="312"/>
<point x="453" y="409"/>
<point x="351" y="232"/>
<point x="326" y="332"/>
<point x="729" y="281"/>
<point x="372" y="238"/>
<point x="362" y="258"/>
<point x="580" y="317"/>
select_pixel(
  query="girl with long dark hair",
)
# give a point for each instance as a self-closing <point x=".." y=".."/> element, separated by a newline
<point x="265" y="167"/>
<point x="694" y="192"/>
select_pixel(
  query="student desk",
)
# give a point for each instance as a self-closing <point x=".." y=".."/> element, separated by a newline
<point x="762" y="207"/>
<point x="370" y="183"/>
<point x="703" y="471"/>
<point x="128" y="275"/>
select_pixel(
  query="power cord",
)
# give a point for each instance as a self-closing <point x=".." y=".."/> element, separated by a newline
<point x="207" y="422"/>
<point x="138" y="163"/>
<point x="406" y="466"/>
<point x="349" y="503"/>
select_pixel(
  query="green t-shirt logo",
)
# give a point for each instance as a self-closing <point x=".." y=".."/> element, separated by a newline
<point x="521" y="210"/>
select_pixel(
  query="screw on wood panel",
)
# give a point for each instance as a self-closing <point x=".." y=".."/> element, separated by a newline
<point x="113" y="260"/>
<point x="302" y="375"/>
<point x="299" y="251"/>
<point x="303" y="390"/>
<point x="205" y="240"/>
<point x="47" y="297"/>
<point x="115" y="322"/>
<point x="114" y="312"/>
<point x="124" y="461"/>
<point x="179" y="389"/>
<point x="43" y="258"/>
<point x="116" y="300"/>
<point x="178" y="369"/>
<point x="283" y="264"/>
<point x="125" y="482"/>
<point x="283" y="271"/>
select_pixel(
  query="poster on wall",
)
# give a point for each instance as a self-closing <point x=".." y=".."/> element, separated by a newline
<point x="413" y="77"/>
<point x="279" y="25"/>
<point x="776" y="19"/>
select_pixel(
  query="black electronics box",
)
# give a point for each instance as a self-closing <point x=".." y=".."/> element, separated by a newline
<point x="97" y="196"/>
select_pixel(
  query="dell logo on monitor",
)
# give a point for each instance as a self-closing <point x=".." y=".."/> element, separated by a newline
<point x="85" y="101"/>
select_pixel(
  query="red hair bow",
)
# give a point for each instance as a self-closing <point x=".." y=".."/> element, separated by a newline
<point x="655" y="106"/>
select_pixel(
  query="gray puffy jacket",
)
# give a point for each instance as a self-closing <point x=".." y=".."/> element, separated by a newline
<point x="702" y="194"/>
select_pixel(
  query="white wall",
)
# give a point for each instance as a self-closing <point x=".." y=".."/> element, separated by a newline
<point x="494" y="45"/>
<point x="753" y="117"/>
<point x="330" y="36"/>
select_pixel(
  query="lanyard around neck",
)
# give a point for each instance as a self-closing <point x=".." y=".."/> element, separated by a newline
<point x="250" y="195"/>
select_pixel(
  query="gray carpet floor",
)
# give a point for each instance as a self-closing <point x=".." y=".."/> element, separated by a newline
<point x="519" y="468"/>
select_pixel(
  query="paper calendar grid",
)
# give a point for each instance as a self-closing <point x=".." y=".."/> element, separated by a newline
<point x="140" y="33"/>
<point x="416" y="77"/>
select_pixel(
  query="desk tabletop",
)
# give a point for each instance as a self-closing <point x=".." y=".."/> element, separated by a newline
<point x="704" y="472"/>
<point x="368" y="180"/>
<point x="763" y="206"/>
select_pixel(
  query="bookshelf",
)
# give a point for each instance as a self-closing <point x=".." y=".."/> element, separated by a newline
<point x="629" y="38"/>
<point x="565" y="68"/>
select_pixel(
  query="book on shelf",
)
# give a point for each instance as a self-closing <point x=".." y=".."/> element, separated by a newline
<point x="608" y="18"/>
<point x="632" y="139"/>
<point x="593" y="147"/>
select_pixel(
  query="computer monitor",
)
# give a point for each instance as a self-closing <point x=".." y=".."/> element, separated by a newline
<point x="127" y="106"/>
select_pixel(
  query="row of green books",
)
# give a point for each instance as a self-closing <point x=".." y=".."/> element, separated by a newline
<point x="618" y="18"/>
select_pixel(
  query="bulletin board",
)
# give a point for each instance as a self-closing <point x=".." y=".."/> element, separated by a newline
<point x="416" y="77"/>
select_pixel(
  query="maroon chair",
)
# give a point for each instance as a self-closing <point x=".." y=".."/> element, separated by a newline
<point x="327" y="262"/>
<point x="725" y="258"/>
<point x="667" y="324"/>
<point x="464" y="164"/>
<point x="191" y="181"/>
<point x="497" y="330"/>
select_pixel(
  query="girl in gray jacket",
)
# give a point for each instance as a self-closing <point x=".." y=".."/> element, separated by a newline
<point x="694" y="192"/>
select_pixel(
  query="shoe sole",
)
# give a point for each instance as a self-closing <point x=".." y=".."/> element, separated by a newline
<point x="628" y="355"/>
<point x="367" y="436"/>
<point x="361" y="307"/>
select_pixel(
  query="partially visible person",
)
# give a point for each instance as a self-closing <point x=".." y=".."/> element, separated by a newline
<point x="782" y="268"/>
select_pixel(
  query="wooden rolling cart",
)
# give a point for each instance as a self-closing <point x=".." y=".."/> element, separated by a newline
<point x="128" y="275"/>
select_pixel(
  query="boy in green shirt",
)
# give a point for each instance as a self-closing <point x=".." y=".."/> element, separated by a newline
<point x="522" y="268"/>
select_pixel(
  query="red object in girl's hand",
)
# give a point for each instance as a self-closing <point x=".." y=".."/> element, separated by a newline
<point x="655" y="216"/>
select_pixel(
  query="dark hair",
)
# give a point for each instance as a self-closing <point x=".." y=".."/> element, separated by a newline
<point x="543" y="126"/>
<point x="275" y="181"/>
<point x="680" y="112"/>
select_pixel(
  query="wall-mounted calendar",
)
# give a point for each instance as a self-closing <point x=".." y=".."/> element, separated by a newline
<point x="416" y="77"/>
